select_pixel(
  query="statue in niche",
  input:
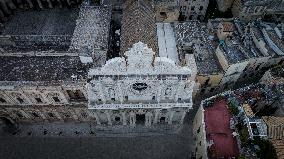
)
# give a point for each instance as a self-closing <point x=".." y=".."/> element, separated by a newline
<point x="168" y="91"/>
<point x="111" y="93"/>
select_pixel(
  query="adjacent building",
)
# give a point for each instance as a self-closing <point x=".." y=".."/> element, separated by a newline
<point x="193" y="9"/>
<point x="251" y="10"/>
<point x="242" y="119"/>
<point x="44" y="63"/>
<point x="53" y="77"/>
<point x="224" y="5"/>
<point x="167" y="10"/>
<point x="213" y="128"/>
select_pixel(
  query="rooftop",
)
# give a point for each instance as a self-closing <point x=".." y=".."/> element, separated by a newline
<point x="278" y="71"/>
<point x="262" y="93"/>
<point x="276" y="126"/>
<point x="233" y="53"/>
<point x="166" y="42"/>
<point x="188" y="32"/>
<point x="206" y="60"/>
<point x="217" y="125"/>
<point x="92" y="30"/>
<point x="228" y="26"/>
<point x="193" y="32"/>
<point x="40" y="30"/>
<point x="41" y="68"/>
<point x="138" y="24"/>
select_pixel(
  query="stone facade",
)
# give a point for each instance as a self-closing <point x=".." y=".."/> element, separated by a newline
<point x="140" y="89"/>
<point x="193" y="9"/>
<point x="166" y="10"/>
<point x="250" y="10"/>
<point x="224" y="5"/>
<point x="43" y="75"/>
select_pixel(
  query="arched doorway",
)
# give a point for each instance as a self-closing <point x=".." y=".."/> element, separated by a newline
<point x="8" y="125"/>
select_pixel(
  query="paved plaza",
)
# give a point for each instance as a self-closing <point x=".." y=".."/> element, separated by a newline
<point x="84" y="146"/>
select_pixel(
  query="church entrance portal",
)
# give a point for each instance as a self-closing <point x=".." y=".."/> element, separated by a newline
<point x="140" y="119"/>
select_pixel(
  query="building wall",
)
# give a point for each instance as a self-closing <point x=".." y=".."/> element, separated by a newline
<point x="167" y="11"/>
<point x="130" y="117"/>
<point x="41" y="95"/>
<point x="232" y="74"/>
<point x="200" y="134"/>
<point x="194" y="9"/>
<point x="140" y="89"/>
<point x="222" y="60"/>
<point x="224" y="5"/>
<point x="247" y="12"/>
<point x="222" y="35"/>
<point x="47" y="113"/>
<point x="209" y="83"/>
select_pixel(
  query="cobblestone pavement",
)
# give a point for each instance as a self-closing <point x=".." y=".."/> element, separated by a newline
<point x="174" y="146"/>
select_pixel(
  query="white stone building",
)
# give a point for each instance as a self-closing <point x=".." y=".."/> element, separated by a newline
<point x="140" y="89"/>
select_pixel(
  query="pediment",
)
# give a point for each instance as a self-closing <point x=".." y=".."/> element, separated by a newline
<point x="140" y="60"/>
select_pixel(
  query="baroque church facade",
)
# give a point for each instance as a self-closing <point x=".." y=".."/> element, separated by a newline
<point x="140" y="89"/>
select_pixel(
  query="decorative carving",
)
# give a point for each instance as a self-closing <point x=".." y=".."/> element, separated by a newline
<point x="145" y="82"/>
<point x="140" y="60"/>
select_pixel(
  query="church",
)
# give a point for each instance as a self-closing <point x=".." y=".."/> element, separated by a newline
<point x="138" y="91"/>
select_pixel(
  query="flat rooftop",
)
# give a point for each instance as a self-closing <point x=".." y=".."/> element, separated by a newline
<point x="206" y="61"/>
<point x="167" y="42"/>
<point x="56" y="21"/>
<point x="217" y="125"/>
<point x="232" y="53"/>
<point x="40" y="30"/>
<point x="186" y="32"/>
<point x="41" y="68"/>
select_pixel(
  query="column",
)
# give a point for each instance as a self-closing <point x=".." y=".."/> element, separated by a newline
<point x="124" y="118"/>
<point x="74" y="115"/>
<point x="120" y="93"/>
<point x="39" y="4"/>
<point x="182" y="117"/>
<point x="159" y="93"/>
<point x="148" y="119"/>
<point x="49" y="4"/>
<point x="24" y="114"/>
<point x="108" y="117"/>
<point x="171" y="117"/>
<point x="101" y="92"/>
<point x="132" y="118"/>
<point x="30" y="3"/>
<point x="41" y="114"/>
<point x="157" y="112"/>
<point x="94" y="115"/>
<point x="57" y="115"/>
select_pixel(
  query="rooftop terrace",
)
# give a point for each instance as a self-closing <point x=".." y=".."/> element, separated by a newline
<point x="217" y="125"/>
